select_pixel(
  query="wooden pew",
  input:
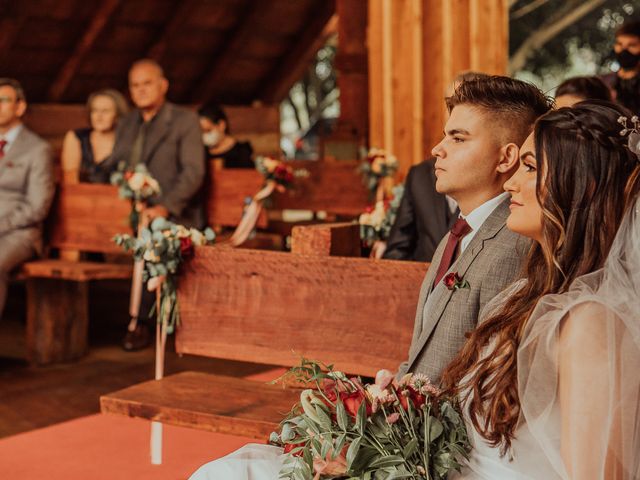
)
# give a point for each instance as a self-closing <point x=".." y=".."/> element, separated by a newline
<point x="335" y="188"/>
<point x="83" y="218"/>
<point x="272" y="308"/>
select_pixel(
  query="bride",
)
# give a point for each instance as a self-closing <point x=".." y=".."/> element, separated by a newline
<point x="550" y="379"/>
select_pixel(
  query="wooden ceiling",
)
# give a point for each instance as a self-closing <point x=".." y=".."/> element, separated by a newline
<point x="232" y="51"/>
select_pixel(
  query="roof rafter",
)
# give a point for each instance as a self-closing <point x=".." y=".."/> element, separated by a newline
<point x="179" y="17"/>
<point x="228" y="51"/>
<point x="84" y="45"/>
<point x="322" y="22"/>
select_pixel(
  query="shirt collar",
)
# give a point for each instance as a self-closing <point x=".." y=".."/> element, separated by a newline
<point x="477" y="217"/>
<point x="11" y="135"/>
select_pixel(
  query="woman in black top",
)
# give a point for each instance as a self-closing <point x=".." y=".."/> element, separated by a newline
<point x="218" y="142"/>
<point x="85" y="149"/>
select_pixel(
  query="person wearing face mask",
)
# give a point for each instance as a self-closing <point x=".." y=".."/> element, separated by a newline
<point x="219" y="143"/>
<point x="625" y="83"/>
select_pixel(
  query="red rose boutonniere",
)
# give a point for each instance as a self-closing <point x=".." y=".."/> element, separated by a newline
<point x="453" y="281"/>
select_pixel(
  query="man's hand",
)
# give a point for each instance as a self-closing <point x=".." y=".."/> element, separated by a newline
<point x="148" y="214"/>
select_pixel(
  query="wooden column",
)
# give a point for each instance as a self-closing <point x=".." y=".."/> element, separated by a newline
<point x="416" y="48"/>
<point x="57" y="320"/>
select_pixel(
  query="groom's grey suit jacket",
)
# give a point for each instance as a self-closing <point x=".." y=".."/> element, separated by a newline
<point x="490" y="263"/>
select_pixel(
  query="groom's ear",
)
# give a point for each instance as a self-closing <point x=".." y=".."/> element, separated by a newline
<point x="509" y="158"/>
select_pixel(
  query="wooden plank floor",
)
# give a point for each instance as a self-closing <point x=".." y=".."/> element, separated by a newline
<point x="34" y="397"/>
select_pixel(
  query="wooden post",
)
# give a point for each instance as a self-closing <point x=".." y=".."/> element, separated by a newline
<point x="57" y="320"/>
<point x="416" y="48"/>
<point x="329" y="239"/>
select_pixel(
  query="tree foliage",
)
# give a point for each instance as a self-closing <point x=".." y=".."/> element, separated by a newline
<point x="561" y="22"/>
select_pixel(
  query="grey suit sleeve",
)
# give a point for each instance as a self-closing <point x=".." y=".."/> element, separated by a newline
<point x="39" y="192"/>
<point x="192" y="168"/>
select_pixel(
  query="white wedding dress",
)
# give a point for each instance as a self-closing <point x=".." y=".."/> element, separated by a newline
<point x="578" y="384"/>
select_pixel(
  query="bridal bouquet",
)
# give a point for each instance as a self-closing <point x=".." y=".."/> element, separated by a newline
<point x="376" y="222"/>
<point x="137" y="185"/>
<point x="163" y="247"/>
<point x="378" y="165"/>
<point x="345" y="429"/>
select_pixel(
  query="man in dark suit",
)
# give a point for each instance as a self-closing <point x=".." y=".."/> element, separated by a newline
<point x="167" y="139"/>
<point x="26" y="184"/>
<point x="424" y="217"/>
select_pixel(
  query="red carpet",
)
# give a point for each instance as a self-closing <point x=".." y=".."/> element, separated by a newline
<point x="101" y="447"/>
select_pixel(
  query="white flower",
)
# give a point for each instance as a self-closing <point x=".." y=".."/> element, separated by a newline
<point x="183" y="232"/>
<point x="197" y="238"/>
<point x="136" y="181"/>
<point x="150" y="256"/>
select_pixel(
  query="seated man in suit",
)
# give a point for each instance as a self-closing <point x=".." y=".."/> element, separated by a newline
<point x="424" y="217"/>
<point x="489" y="119"/>
<point x="26" y="184"/>
<point x="167" y="139"/>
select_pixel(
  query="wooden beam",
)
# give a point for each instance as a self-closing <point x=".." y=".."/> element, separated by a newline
<point x="84" y="45"/>
<point x="320" y="25"/>
<point x="174" y="25"/>
<point x="10" y="25"/>
<point x="228" y="52"/>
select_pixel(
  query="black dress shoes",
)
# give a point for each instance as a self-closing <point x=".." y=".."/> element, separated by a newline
<point x="137" y="339"/>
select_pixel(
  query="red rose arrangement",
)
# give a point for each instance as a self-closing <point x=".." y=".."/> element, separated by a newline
<point x="391" y="428"/>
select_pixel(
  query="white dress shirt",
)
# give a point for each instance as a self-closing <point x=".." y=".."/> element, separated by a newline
<point x="10" y="137"/>
<point x="478" y="216"/>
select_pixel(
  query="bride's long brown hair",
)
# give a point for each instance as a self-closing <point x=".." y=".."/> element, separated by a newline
<point x="585" y="178"/>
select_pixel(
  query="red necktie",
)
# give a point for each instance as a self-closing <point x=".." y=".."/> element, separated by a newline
<point x="459" y="230"/>
<point x="3" y="143"/>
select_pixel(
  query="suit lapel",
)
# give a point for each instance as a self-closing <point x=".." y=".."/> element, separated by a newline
<point x="156" y="135"/>
<point x="441" y="294"/>
<point x="19" y="145"/>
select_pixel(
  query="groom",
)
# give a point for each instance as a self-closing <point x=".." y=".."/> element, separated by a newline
<point x="489" y="119"/>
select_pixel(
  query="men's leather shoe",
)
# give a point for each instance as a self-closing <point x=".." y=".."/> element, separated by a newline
<point x="137" y="339"/>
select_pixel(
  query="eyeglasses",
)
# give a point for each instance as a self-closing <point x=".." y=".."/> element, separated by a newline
<point x="7" y="100"/>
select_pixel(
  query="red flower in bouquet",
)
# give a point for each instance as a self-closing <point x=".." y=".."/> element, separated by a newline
<point x="352" y="402"/>
<point x="417" y="399"/>
<point x="186" y="248"/>
<point x="128" y="174"/>
<point x="283" y="174"/>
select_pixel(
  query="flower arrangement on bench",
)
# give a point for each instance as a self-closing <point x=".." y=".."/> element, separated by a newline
<point x="137" y="185"/>
<point x="376" y="222"/>
<point x="278" y="177"/>
<point x="378" y="169"/>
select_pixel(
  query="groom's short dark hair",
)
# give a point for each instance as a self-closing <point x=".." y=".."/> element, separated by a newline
<point x="512" y="104"/>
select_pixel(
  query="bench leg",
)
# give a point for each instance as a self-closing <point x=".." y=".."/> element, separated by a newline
<point x="57" y="320"/>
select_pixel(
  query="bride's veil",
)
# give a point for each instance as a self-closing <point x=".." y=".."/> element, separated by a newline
<point x="579" y="368"/>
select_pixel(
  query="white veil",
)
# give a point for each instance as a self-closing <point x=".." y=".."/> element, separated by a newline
<point x="579" y="368"/>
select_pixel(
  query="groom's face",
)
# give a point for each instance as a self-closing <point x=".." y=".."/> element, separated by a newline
<point x="468" y="154"/>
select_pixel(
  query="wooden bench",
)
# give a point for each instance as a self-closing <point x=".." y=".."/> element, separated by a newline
<point x="83" y="218"/>
<point x="334" y="188"/>
<point x="273" y="308"/>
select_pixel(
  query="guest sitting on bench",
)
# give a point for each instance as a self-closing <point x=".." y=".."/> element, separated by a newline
<point x="26" y="184"/>
<point x="85" y="150"/>
<point x="218" y="141"/>
<point x="166" y="138"/>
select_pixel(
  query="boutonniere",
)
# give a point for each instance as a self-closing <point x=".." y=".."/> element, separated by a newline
<point x="453" y="281"/>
